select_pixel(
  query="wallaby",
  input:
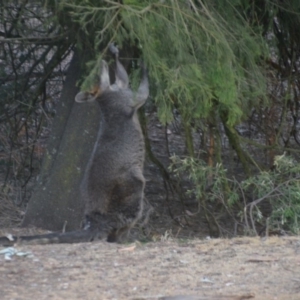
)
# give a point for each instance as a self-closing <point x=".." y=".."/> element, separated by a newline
<point x="113" y="184"/>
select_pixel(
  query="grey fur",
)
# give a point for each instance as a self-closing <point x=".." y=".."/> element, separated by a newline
<point x="113" y="185"/>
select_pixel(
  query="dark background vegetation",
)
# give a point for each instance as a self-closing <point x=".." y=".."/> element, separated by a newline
<point x="221" y="125"/>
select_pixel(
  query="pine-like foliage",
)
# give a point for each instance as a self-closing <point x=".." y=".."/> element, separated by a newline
<point x="202" y="57"/>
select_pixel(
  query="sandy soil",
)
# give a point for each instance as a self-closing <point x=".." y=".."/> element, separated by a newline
<point x="239" y="268"/>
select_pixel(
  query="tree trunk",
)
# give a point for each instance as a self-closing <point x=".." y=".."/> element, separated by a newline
<point x="56" y="202"/>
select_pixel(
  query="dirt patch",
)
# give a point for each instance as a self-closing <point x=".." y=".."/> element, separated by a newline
<point x="239" y="268"/>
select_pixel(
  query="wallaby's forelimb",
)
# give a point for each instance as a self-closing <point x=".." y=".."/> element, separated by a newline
<point x="122" y="79"/>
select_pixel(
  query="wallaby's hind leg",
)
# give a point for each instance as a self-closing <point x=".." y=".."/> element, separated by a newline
<point x="112" y="227"/>
<point x="124" y="209"/>
<point x="100" y="224"/>
<point x="118" y="234"/>
<point x="127" y="217"/>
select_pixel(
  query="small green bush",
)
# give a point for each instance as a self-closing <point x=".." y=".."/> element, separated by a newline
<point x="270" y="198"/>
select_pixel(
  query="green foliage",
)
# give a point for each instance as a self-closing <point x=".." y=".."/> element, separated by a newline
<point x="202" y="57"/>
<point x="93" y="77"/>
<point x="209" y="182"/>
<point x="279" y="188"/>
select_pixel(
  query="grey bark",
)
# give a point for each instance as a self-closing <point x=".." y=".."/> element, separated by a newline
<point x="56" y="200"/>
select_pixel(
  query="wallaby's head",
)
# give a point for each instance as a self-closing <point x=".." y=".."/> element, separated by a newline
<point x="118" y="96"/>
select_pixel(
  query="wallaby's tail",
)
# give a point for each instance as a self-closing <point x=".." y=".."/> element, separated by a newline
<point x="80" y="236"/>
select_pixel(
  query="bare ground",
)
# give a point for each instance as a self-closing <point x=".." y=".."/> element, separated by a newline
<point x="239" y="268"/>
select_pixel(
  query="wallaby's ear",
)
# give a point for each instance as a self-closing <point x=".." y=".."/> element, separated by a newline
<point x="104" y="77"/>
<point x="98" y="89"/>
<point x="89" y="96"/>
<point x="143" y="90"/>
<point x="122" y="80"/>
